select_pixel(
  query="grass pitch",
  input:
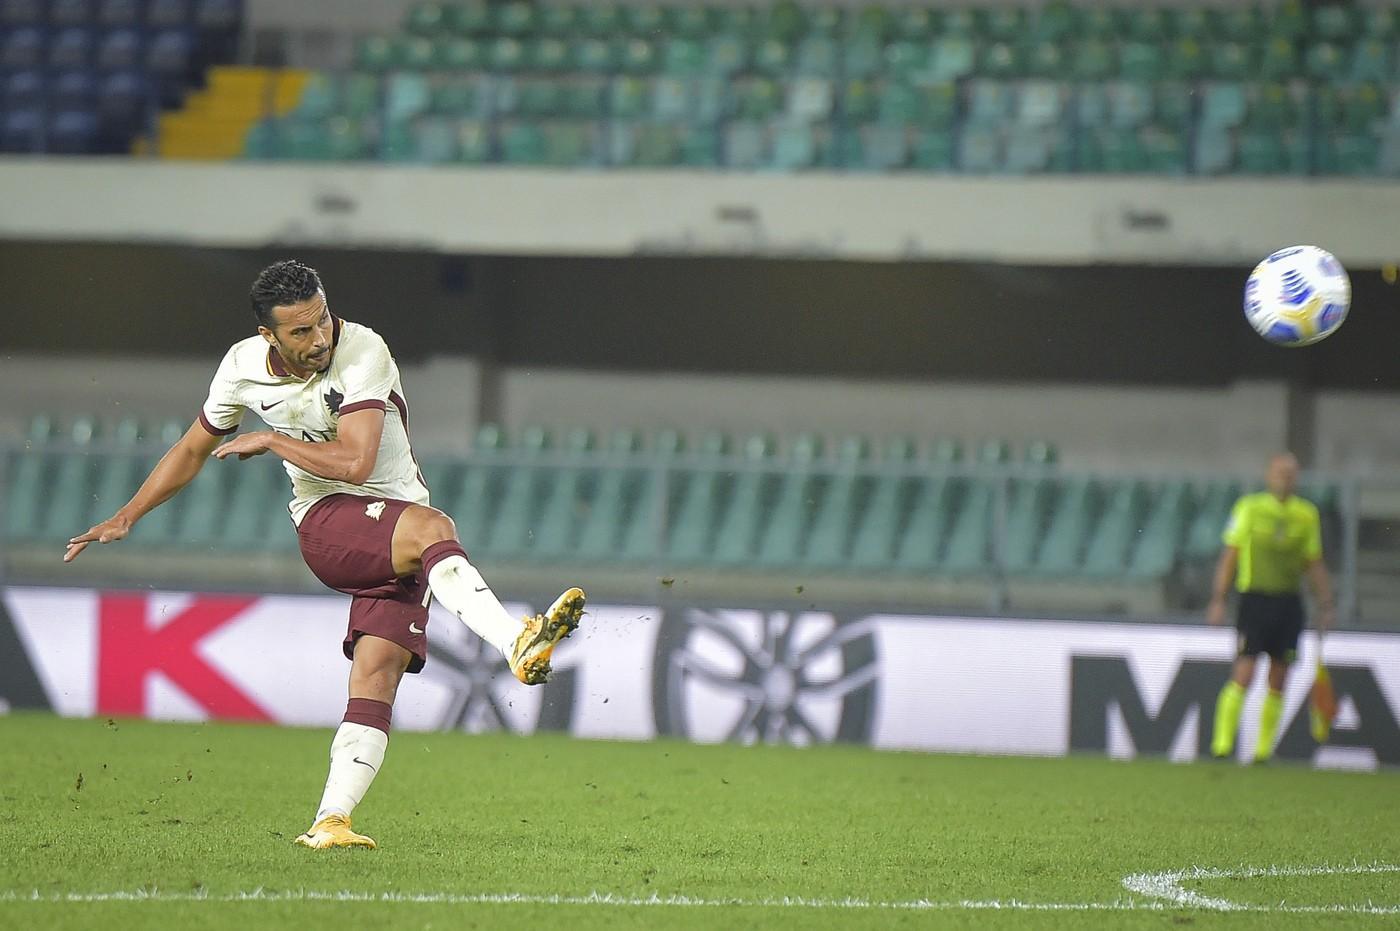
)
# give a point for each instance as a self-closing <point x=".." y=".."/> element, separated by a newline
<point x="132" y="824"/>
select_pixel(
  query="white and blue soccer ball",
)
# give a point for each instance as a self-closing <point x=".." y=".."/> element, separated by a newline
<point x="1297" y="296"/>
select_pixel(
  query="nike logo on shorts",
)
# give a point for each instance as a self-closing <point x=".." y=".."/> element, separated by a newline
<point x="414" y="628"/>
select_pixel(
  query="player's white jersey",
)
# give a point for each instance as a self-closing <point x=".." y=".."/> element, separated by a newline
<point x="362" y="375"/>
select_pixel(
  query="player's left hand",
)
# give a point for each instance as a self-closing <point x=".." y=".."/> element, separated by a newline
<point x="245" y="445"/>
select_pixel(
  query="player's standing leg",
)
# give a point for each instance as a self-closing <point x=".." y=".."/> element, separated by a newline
<point x="357" y="751"/>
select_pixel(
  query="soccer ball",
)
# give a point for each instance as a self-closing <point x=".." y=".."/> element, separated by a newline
<point x="1297" y="296"/>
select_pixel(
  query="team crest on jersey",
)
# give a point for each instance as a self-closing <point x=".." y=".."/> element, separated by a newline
<point x="375" y="510"/>
<point x="333" y="399"/>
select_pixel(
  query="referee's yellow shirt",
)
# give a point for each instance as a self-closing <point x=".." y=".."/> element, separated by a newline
<point x="1276" y="539"/>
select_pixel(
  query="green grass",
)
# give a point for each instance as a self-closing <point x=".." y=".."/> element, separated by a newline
<point x="213" y="808"/>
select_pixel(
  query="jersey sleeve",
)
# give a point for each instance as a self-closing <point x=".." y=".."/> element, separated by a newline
<point x="1312" y="546"/>
<point x="223" y="411"/>
<point x="369" y="376"/>
<point x="1237" y="528"/>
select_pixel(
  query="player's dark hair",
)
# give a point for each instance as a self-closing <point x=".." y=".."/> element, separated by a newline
<point x="280" y="284"/>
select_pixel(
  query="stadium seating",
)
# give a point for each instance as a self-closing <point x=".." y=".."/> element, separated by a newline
<point x="788" y="87"/>
<point x="759" y="504"/>
<point x="88" y="76"/>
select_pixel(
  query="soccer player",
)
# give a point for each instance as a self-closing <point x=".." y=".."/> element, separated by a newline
<point x="1273" y="539"/>
<point x="330" y="392"/>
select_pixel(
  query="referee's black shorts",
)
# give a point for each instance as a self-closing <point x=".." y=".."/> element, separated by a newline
<point x="1270" y="624"/>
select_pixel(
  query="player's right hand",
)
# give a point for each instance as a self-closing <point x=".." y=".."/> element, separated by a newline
<point x="109" y="531"/>
<point x="1215" y="612"/>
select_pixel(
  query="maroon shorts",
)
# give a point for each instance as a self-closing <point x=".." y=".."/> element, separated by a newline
<point x="347" y="541"/>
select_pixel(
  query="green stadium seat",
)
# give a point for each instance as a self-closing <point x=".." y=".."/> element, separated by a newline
<point x="472" y="503"/>
<point x="979" y="151"/>
<point x="671" y="100"/>
<point x="863" y="57"/>
<point x="1002" y="60"/>
<point x="585" y="98"/>
<point x="512" y="531"/>
<point x="1165" y="150"/>
<point x="797" y="146"/>
<point x="468" y="17"/>
<point x="1240" y="24"/>
<point x="1288" y="20"/>
<point x="28" y="474"/>
<point x="835" y="511"/>
<point x="1040" y="103"/>
<point x="1356" y="154"/>
<point x="425" y="19"/>
<point x="1045" y="60"/>
<point x="638" y="56"/>
<point x="629" y="98"/>
<point x="1035" y="149"/>
<point x="359" y="96"/>
<point x="203" y="504"/>
<point x="474" y="142"/>
<point x="1116" y="532"/>
<point x="951" y="57"/>
<point x="700" y="147"/>
<point x="1175" y="104"/>
<point x="695" y="22"/>
<point x="320" y="97"/>
<point x="1185" y="60"/>
<point x="877" y="148"/>
<point x="970" y="537"/>
<point x="644" y="19"/>
<point x="1163" y="528"/>
<point x="810" y="100"/>
<point x="784" y="20"/>
<point x="757" y="99"/>
<point x="416" y="53"/>
<point x="1090" y="107"/>
<point x="1056" y="22"/>
<point x="703" y="491"/>
<point x="1203" y="533"/>
<point x="596" y="56"/>
<point x="819" y="56"/>
<point x="782" y="537"/>
<point x="607" y="519"/>
<point x="1232" y="61"/>
<point x="600" y="20"/>
<point x="506" y="55"/>
<point x="858" y="101"/>
<point x="254" y="511"/>
<point x="1272" y="107"/>
<point x="524" y="144"/>
<point x="1196" y="23"/>
<point x="1371" y="61"/>
<point x="913" y="23"/>
<point x="879" y="524"/>
<point x="1092" y="60"/>
<point x="1271" y="152"/>
<point x="541" y="97"/>
<point x="1278" y="59"/>
<point x="961" y="21"/>
<point x="1040" y="453"/>
<point x="516" y="18"/>
<point x="904" y="61"/>
<point x="739" y="21"/>
<point x="1379" y="22"/>
<point x="560" y="20"/>
<point x="937" y="500"/>
<point x="826" y="21"/>
<point x="1141" y="61"/>
<point x="988" y="102"/>
<point x="1223" y="106"/>
<point x="1099" y="22"/>
<point x="746" y="145"/>
<point x="548" y="54"/>
<point x="375" y="54"/>
<point x="1363" y="106"/>
<point x="726" y="55"/>
<point x="1324" y="61"/>
<point x="772" y="58"/>
<point x="567" y="493"/>
<point x="683" y="57"/>
<point x="1067" y="531"/>
<point x="872" y="21"/>
<point x="1145" y="23"/>
<point x="337" y="139"/>
<point x="1130" y="104"/>
<point x="1334" y="22"/>
<point x="934" y="150"/>
<point x="1003" y="23"/>
<point x="1112" y="151"/>
<point x="455" y="53"/>
<point x="1028" y="510"/>
<point x="406" y="94"/>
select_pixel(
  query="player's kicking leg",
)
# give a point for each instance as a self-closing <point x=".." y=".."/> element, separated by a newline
<point x="357" y="752"/>
<point x="425" y="541"/>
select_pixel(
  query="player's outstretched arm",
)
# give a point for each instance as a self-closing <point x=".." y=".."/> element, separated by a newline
<point x="176" y="469"/>
<point x="348" y="458"/>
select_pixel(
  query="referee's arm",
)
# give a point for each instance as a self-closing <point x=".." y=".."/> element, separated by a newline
<point x="1321" y="583"/>
<point x="1224" y="576"/>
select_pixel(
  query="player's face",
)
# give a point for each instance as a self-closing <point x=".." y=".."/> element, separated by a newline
<point x="1282" y="477"/>
<point x="302" y="334"/>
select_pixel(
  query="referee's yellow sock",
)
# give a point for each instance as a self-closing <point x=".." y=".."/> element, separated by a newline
<point x="1227" y="718"/>
<point x="1268" y="725"/>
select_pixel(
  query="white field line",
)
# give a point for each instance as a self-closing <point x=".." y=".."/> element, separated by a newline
<point x="1167" y="886"/>
<point x="1157" y="891"/>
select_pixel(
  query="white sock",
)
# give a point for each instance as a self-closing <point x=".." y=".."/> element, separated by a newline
<point x="461" y="589"/>
<point x="357" y="752"/>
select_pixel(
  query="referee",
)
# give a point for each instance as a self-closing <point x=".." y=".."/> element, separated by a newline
<point x="1273" y="539"/>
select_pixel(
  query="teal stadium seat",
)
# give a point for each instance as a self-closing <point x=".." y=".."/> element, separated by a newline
<point x="837" y="507"/>
<point x="1115" y="535"/>
<point x="605" y="521"/>
<point x="783" y="538"/>
<point x="659" y="490"/>
<point x="748" y="509"/>
<point x="28" y="473"/>
<point x="568" y="492"/>
<point x="880" y="523"/>
<point x="1067" y="533"/>
<point x="703" y="492"/>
